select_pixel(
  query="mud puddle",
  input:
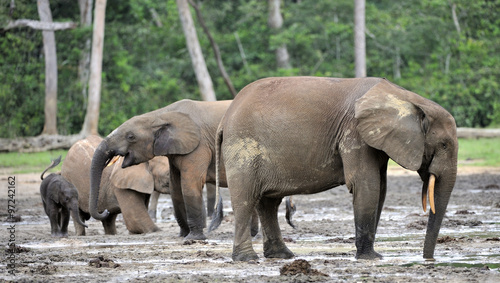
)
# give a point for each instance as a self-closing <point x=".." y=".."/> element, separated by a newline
<point x="468" y="248"/>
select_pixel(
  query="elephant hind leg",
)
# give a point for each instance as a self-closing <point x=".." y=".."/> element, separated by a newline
<point x="109" y="224"/>
<point x="135" y="211"/>
<point x="274" y="246"/>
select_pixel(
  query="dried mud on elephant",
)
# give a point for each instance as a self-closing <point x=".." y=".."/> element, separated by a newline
<point x="468" y="248"/>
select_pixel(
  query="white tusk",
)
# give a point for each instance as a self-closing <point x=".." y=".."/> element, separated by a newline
<point x="113" y="160"/>
<point x="432" y="181"/>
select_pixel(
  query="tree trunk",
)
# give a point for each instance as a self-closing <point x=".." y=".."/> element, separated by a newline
<point x="49" y="47"/>
<point x="359" y="39"/>
<point x="200" y="68"/>
<point x="84" y="64"/>
<point x="275" y="22"/>
<point x="216" y="50"/>
<point x="90" y="124"/>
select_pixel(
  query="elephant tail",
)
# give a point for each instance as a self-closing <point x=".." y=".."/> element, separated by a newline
<point x="290" y="211"/>
<point x="218" y="211"/>
<point x="53" y="164"/>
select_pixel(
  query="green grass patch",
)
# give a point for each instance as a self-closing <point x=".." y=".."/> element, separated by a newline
<point x="479" y="152"/>
<point x="472" y="152"/>
<point x="30" y="162"/>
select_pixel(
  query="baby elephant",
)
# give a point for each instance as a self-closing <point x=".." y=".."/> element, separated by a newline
<point x="59" y="197"/>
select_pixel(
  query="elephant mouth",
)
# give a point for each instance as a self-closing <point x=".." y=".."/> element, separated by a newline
<point x="128" y="160"/>
<point x="429" y="189"/>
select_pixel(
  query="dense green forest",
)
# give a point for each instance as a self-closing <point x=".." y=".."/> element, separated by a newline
<point x="416" y="44"/>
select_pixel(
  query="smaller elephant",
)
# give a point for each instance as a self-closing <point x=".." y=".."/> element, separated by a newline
<point x="125" y="191"/>
<point x="60" y="199"/>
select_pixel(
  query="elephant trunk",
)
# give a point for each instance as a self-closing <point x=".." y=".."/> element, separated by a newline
<point x="76" y="215"/>
<point x="102" y="155"/>
<point x="442" y="192"/>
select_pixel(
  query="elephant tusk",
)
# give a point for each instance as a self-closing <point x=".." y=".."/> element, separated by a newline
<point x="432" y="181"/>
<point x="113" y="160"/>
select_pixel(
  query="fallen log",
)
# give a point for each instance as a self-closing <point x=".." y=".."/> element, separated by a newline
<point x="473" y="133"/>
<point x="39" y="143"/>
<point x="52" y="142"/>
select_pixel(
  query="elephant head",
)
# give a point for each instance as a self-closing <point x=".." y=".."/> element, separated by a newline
<point x="144" y="178"/>
<point x="157" y="133"/>
<point x="419" y="135"/>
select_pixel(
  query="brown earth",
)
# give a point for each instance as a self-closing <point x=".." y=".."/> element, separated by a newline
<point x="468" y="248"/>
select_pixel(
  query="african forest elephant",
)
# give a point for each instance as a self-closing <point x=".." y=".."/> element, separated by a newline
<point x="184" y="132"/>
<point x="125" y="191"/>
<point x="303" y="135"/>
<point x="60" y="199"/>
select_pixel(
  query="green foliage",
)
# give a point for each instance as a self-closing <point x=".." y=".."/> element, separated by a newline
<point x="147" y="66"/>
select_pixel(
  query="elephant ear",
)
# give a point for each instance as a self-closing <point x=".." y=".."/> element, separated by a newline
<point x="389" y="121"/>
<point x="177" y="134"/>
<point x="136" y="177"/>
<point x="160" y="171"/>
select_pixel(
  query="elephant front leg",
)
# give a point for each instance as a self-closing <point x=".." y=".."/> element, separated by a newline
<point x="178" y="201"/>
<point x="135" y="211"/>
<point x="195" y="209"/>
<point x="65" y="215"/>
<point x="366" y="202"/>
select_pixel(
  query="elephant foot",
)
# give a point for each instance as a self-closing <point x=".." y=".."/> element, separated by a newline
<point x="183" y="233"/>
<point x="245" y="256"/>
<point x="275" y="252"/>
<point x="195" y="236"/>
<point x="59" y="235"/>
<point x="369" y="255"/>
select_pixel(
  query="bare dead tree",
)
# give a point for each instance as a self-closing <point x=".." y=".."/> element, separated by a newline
<point x="49" y="48"/>
<point x="215" y="48"/>
<point x="90" y="125"/>
<point x="193" y="45"/>
<point x="359" y="39"/>
<point x="84" y="64"/>
<point x="275" y="22"/>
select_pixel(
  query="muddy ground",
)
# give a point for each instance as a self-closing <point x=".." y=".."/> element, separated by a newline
<point x="469" y="248"/>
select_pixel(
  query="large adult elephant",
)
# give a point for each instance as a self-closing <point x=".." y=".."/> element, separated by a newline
<point x="125" y="191"/>
<point x="303" y="135"/>
<point x="184" y="132"/>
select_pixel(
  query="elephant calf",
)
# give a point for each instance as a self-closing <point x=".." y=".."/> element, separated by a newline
<point x="59" y="198"/>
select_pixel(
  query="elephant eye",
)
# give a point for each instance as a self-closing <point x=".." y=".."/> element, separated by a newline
<point x="130" y="137"/>
<point x="444" y="145"/>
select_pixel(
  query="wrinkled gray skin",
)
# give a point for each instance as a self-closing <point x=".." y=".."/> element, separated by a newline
<point x="125" y="191"/>
<point x="303" y="135"/>
<point x="184" y="132"/>
<point x="60" y="199"/>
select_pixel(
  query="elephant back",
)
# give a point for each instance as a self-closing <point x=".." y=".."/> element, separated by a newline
<point x="76" y="169"/>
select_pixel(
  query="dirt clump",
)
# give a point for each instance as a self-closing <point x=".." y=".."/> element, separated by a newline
<point x="300" y="266"/>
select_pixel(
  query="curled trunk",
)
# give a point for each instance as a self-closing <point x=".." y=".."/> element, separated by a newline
<point x="76" y="216"/>
<point x="101" y="157"/>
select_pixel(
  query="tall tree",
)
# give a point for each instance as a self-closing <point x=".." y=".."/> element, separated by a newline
<point x="84" y="64"/>
<point x="199" y="65"/>
<point x="49" y="48"/>
<point x="215" y="48"/>
<point x="275" y="22"/>
<point x="359" y="39"/>
<point x="90" y="125"/>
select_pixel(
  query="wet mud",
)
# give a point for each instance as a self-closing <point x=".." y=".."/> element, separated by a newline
<point x="468" y="248"/>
